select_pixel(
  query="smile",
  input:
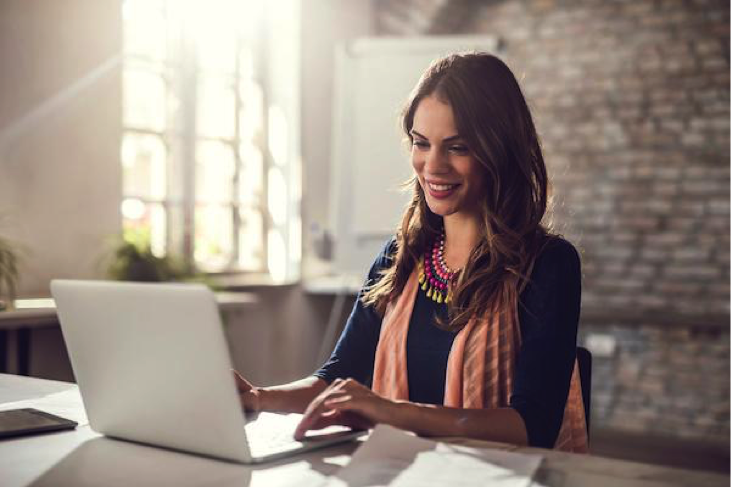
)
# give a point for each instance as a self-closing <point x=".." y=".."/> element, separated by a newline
<point x="440" y="191"/>
<point x="435" y="187"/>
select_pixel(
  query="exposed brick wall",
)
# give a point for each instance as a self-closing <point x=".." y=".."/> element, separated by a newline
<point x="631" y="101"/>
<point x="666" y="381"/>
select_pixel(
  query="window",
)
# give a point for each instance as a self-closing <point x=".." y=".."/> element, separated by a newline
<point x="208" y="172"/>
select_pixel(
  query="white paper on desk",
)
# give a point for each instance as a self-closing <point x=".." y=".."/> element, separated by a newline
<point x="66" y="404"/>
<point x="392" y="457"/>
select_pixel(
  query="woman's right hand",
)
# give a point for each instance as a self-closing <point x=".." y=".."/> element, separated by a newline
<point x="249" y="395"/>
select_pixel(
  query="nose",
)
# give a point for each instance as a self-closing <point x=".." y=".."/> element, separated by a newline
<point x="435" y="161"/>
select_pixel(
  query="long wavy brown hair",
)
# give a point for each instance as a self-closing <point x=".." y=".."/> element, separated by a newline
<point x="492" y="116"/>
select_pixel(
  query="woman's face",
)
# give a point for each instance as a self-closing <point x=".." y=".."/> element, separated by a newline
<point x="447" y="171"/>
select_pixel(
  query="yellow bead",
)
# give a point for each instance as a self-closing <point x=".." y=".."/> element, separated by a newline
<point x="428" y="294"/>
<point x="423" y="285"/>
<point x="439" y="298"/>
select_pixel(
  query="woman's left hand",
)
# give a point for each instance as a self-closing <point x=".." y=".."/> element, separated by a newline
<point x="344" y="402"/>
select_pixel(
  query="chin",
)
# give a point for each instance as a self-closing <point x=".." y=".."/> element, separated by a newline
<point x="441" y="210"/>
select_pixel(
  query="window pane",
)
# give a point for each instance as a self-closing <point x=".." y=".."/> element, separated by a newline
<point x="216" y="108"/>
<point x="144" y="99"/>
<point x="213" y="237"/>
<point x="251" y="118"/>
<point x="251" y="239"/>
<point x="147" y="222"/>
<point x="176" y="230"/>
<point x="246" y="61"/>
<point x="277" y="255"/>
<point x="216" y="44"/>
<point x="144" y="29"/>
<point x="251" y="180"/>
<point x="214" y="172"/>
<point x="277" y="196"/>
<point x="144" y="166"/>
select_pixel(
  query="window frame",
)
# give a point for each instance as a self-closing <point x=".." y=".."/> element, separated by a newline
<point x="180" y="141"/>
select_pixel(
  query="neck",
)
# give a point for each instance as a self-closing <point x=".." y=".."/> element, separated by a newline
<point x="462" y="233"/>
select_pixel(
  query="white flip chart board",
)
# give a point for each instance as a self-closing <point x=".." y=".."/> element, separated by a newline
<point x="370" y="161"/>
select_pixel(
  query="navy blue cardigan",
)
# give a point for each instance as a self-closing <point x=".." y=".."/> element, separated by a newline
<point x="548" y="313"/>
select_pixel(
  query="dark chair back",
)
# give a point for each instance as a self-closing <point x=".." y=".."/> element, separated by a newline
<point x="583" y="356"/>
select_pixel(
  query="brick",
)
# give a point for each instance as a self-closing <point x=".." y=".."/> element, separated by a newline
<point x="665" y="189"/>
<point x="664" y="240"/>
<point x="716" y="223"/>
<point x="623" y="284"/>
<point x="642" y="270"/>
<point x="690" y="208"/>
<point x="696" y="171"/>
<point x="672" y="125"/>
<point x="704" y="187"/>
<point x="616" y="252"/>
<point x="681" y="224"/>
<point x="707" y="46"/>
<point x="713" y="63"/>
<point x="718" y="207"/>
<point x="720" y="124"/>
<point x="678" y="288"/>
<point x="690" y="254"/>
<point x="699" y="272"/>
<point x="652" y="302"/>
<point x="693" y="139"/>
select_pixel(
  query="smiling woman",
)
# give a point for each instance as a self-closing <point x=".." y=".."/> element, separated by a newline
<point x="467" y="323"/>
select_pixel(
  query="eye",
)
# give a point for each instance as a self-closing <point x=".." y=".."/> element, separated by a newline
<point x="459" y="149"/>
<point x="420" y="144"/>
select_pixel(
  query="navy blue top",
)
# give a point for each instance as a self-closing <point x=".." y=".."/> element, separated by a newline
<point x="548" y="312"/>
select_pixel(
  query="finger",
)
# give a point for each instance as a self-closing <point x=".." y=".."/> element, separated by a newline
<point x="249" y="401"/>
<point x="324" y="419"/>
<point x="320" y="414"/>
<point x="312" y="416"/>
<point x="340" y="402"/>
<point x="309" y="420"/>
<point x="242" y="384"/>
<point x="316" y="408"/>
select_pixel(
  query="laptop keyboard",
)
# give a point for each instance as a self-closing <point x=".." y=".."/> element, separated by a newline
<point x="270" y="433"/>
<point x="270" y="436"/>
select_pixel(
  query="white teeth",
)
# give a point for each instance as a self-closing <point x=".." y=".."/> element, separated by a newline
<point x="441" y="187"/>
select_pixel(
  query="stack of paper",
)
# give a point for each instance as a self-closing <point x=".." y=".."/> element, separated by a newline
<point x="392" y="457"/>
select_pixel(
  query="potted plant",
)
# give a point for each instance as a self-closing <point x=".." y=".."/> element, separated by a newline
<point x="9" y="275"/>
<point x="132" y="259"/>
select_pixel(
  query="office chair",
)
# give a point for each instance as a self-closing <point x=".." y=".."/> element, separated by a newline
<point x="583" y="356"/>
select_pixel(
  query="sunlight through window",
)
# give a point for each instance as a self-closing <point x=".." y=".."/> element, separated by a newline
<point x="194" y="154"/>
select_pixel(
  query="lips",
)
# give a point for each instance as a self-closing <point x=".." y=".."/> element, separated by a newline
<point x="441" y="190"/>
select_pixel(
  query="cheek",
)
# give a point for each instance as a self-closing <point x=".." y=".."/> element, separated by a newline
<point x="475" y="175"/>
<point x="416" y="162"/>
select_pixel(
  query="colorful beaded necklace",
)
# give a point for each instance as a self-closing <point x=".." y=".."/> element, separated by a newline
<point x="435" y="276"/>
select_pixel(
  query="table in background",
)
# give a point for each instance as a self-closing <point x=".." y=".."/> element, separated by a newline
<point x="40" y="313"/>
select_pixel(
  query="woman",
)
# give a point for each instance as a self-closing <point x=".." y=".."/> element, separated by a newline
<point x="467" y="325"/>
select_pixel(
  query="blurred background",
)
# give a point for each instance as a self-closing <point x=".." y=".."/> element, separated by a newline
<point x="157" y="139"/>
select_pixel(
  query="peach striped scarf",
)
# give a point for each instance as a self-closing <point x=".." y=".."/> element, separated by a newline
<point x="480" y="368"/>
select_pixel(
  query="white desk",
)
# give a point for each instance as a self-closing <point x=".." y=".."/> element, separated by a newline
<point x="82" y="457"/>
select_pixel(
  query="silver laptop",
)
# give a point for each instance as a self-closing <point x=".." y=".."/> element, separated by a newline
<point x="153" y="366"/>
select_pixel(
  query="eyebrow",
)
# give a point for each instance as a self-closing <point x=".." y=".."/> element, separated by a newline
<point x="447" y="139"/>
